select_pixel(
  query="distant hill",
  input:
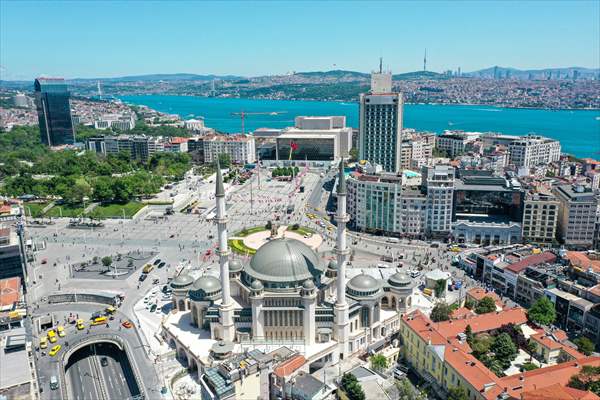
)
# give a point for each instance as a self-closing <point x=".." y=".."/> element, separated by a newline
<point x="418" y="75"/>
<point x="501" y="72"/>
<point x="337" y="73"/>
<point x="159" y="77"/>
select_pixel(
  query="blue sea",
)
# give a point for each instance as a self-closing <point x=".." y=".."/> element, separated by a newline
<point x="578" y="131"/>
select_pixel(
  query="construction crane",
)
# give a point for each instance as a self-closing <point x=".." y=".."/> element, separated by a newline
<point x="242" y="114"/>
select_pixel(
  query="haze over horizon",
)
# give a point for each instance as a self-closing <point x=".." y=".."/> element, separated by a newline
<point x="236" y="38"/>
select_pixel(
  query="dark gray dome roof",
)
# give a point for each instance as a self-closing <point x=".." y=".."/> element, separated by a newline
<point x="308" y="284"/>
<point x="205" y="286"/>
<point x="399" y="279"/>
<point x="257" y="285"/>
<point x="363" y="283"/>
<point x="235" y="265"/>
<point x="284" y="260"/>
<point x="182" y="281"/>
<point x="208" y="283"/>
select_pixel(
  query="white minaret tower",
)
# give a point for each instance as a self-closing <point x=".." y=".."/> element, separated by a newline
<point x="223" y="252"/>
<point x="341" y="306"/>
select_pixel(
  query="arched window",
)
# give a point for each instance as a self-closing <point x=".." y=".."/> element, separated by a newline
<point x="181" y="305"/>
<point x="394" y="305"/>
<point x="384" y="302"/>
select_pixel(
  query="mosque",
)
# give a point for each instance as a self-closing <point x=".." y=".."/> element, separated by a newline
<point x="286" y="295"/>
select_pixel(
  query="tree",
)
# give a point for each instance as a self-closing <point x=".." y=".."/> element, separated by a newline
<point x="584" y="345"/>
<point x="542" y="312"/>
<point x="103" y="189"/>
<point x="76" y="193"/>
<point x="504" y="349"/>
<point x="469" y="333"/>
<point x="379" y="362"/>
<point x="354" y="154"/>
<point x="224" y="160"/>
<point x="481" y="344"/>
<point x="440" y="287"/>
<point x="107" y="261"/>
<point x="457" y="393"/>
<point x="352" y="388"/>
<point x="470" y="303"/>
<point x="441" y="312"/>
<point x="587" y="379"/>
<point x="485" y="305"/>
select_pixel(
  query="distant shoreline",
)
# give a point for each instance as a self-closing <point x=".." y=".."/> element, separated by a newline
<point x="356" y="102"/>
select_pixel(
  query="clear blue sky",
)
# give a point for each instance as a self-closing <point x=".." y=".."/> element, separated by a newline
<point x="104" y="39"/>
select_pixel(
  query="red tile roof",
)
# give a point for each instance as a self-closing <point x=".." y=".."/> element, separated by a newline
<point x="461" y="312"/>
<point x="178" y="140"/>
<point x="536" y="259"/>
<point x="483" y="322"/>
<point x="546" y="341"/>
<point x="471" y="369"/>
<point x="423" y="327"/>
<point x="477" y="294"/>
<point x="10" y="291"/>
<point x="581" y="260"/>
<point x="287" y="367"/>
<point x="558" y="392"/>
<point x="541" y="378"/>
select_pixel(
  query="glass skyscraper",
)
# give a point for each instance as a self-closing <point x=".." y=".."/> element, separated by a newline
<point x="54" y="111"/>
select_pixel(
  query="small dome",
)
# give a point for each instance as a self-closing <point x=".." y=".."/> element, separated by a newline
<point x="205" y="287"/>
<point x="399" y="279"/>
<point x="332" y="265"/>
<point x="257" y="285"/>
<point x="235" y="265"/>
<point x="182" y="281"/>
<point x="363" y="285"/>
<point x="308" y="285"/>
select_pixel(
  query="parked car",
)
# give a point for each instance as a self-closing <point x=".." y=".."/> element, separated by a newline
<point x="143" y="277"/>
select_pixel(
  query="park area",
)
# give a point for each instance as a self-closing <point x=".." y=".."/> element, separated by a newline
<point x="247" y="241"/>
<point x="101" y="211"/>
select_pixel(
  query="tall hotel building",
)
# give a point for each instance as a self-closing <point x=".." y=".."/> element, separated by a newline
<point x="54" y="111"/>
<point x="380" y="131"/>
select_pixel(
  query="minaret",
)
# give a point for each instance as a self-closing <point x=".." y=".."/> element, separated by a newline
<point x="223" y="252"/>
<point x="341" y="307"/>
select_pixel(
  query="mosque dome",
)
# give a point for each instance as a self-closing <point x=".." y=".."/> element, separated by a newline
<point x="283" y="263"/>
<point x="235" y="266"/>
<point x="363" y="285"/>
<point x="308" y="285"/>
<point x="257" y="285"/>
<point x="182" y="281"/>
<point x="332" y="265"/>
<point x="206" y="287"/>
<point x="399" y="279"/>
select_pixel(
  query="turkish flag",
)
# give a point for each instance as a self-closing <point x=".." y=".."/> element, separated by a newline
<point x="294" y="146"/>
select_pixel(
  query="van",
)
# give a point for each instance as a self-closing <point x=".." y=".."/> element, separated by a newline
<point x="100" y="321"/>
<point x="53" y="382"/>
<point x="414" y="274"/>
<point x="393" y="240"/>
<point x="148" y="268"/>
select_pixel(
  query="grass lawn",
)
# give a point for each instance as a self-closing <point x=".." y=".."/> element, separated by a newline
<point x="238" y="246"/>
<point x="250" y="231"/>
<point x="116" y="210"/>
<point x="302" y="230"/>
<point x="67" y="211"/>
<point x="35" y="209"/>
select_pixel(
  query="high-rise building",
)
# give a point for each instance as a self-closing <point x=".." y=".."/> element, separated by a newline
<point x="54" y="111"/>
<point x="439" y="182"/>
<point x="532" y="150"/>
<point x="380" y="131"/>
<point x="540" y="217"/>
<point x="576" y="215"/>
<point x="11" y="260"/>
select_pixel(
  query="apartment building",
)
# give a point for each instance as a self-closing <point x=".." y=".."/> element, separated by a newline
<point x="439" y="182"/>
<point x="531" y="150"/>
<point x="119" y="122"/>
<point x="11" y="260"/>
<point x="577" y="215"/>
<point x="416" y="149"/>
<point x="138" y="147"/>
<point x="540" y="217"/>
<point x="455" y="143"/>
<point x="240" y="148"/>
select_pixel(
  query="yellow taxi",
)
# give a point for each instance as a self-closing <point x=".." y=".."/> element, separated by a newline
<point x="55" y="350"/>
<point x="43" y="342"/>
<point x="52" y="336"/>
<point x="110" y="310"/>
<point x="80" y="325"/>
<point x="61" y="331"/>
<point x="100" y="321"/>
